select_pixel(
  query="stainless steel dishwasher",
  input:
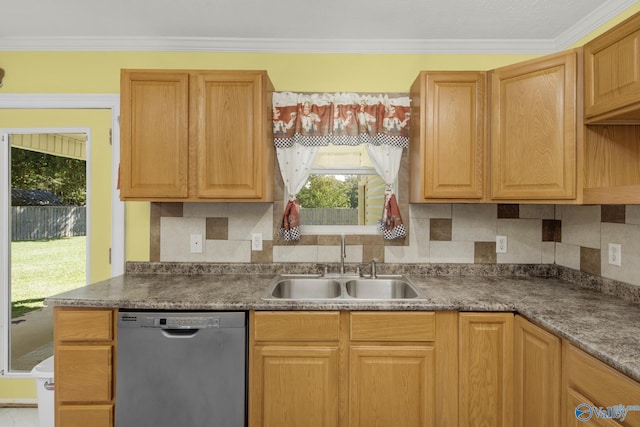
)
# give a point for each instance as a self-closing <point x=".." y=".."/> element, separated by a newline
<point x="182" y="369"/>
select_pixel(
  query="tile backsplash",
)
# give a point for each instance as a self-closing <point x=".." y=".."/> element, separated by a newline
<point x="576" y="237"/>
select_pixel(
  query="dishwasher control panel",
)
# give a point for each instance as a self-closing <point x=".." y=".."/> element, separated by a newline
<point x="167" y="321"/>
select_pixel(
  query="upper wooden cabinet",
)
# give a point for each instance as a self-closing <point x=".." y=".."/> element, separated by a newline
<point x="612" y="75"/>
<point x="536" y="130"/>
<point x="191" y="135"/>
<point x="448" y="144"/>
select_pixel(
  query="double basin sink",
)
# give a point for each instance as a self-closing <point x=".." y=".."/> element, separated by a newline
<point x="316" y="287"/>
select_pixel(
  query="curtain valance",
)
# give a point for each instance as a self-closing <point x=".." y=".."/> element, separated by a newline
<point x="340" y="119"/>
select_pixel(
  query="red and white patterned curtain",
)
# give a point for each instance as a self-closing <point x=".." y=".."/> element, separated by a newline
<point x="304" y="122"/>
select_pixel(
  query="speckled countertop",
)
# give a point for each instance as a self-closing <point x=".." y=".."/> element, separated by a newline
<point x="604" y="325"/>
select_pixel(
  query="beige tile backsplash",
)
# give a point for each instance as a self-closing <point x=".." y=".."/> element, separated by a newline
<point x="571" y="236"/>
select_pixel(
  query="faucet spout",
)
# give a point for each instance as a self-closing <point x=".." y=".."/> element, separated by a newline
<point x="343" y="253"/>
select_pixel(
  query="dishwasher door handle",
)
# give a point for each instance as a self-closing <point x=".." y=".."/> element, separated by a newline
<point x="179" y="333"/>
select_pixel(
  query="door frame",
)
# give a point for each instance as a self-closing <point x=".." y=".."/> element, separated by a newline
<point x="71" y="101"/>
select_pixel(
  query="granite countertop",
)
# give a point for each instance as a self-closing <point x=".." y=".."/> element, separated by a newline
<point x="603" y="325"/>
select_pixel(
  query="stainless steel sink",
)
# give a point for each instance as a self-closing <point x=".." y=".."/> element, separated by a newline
<point x="315" y="287"/>
<point x="381" y="288"/>
<point x="305" y="288"/>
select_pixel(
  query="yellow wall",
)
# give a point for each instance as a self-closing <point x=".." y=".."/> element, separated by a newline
<point x="98" y="72"/>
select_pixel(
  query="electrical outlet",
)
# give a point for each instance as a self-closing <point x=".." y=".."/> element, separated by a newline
<point x="196" y="244"/>
<point x="256" y="241"/>
<point x="501" y="244"/>
<point x="615" y="254"/>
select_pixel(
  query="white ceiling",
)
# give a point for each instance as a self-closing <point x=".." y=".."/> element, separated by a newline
<point x="361" y="26"/>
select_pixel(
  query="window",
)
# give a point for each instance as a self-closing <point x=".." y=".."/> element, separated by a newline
<point x="343" y="194"/>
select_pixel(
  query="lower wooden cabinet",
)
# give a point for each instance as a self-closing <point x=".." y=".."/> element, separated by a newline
<point x="298" y="385"/>
<point x="486" y="369"/>
<point x="588" y="383"/>
<point x="537" y="374"/>
<point x="375" y="369"/>
<point x="294" y="372"/>
<point x="84" y="352"/>
<point x="392" y="385"/>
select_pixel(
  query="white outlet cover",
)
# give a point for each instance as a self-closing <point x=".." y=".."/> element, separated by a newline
<point x="615" y="254"/>
<point x="501" y="244"/>
<point x="196" y="244"/>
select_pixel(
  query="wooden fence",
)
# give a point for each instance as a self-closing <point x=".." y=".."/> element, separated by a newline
<point x="329" y="216"/>
<point x="47" y="222"/>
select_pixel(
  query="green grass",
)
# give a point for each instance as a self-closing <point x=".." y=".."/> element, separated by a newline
<point x="42" y="268"/>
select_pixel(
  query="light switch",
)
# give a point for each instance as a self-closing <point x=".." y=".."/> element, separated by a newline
<point x="256" y="241"/>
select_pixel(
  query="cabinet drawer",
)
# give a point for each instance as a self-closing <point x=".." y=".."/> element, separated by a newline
<point x="83" y="325"/>
<point x="391" y="326"/>
<point x="85" y="415"/>
<point x="296" y="326"/>
<point x="84" y="373"/>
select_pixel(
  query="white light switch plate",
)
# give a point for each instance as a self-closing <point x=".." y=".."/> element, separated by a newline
<point x="196" y="244"/>
<point x="256" y="241"/>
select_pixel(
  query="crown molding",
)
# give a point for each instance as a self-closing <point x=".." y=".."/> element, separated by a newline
<point x="591" y="22"/>
<point x="600" y="16"/>
<point x="274" y="45"/>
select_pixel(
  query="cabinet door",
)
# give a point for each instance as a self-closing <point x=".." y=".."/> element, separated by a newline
<point x="486" y="369"/>
<point x="588" y="383"/>
<point x="612" y="71"/>
<point x="155" y="134"/>
<point x="294" y="386"/>
<point x="392" y="386"/>
<point x="229" y="134"/>
<point x="84" y="372"/>
<point x="533" y="129"/>
<point x="537" y="373"/>
<point x="448" y="142"/>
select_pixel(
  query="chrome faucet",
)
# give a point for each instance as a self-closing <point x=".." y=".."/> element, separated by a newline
<point x="343" y="253"/>
<point x="374" y="273"/>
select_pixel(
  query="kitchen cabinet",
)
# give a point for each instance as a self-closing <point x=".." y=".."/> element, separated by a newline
<point x="395" y="368"/>
<point x="196" y="135"/>
<point x="612" y="114"/>
<point x="294" y="372"/>
<point x="84" y="353"/>
<point x="448" y="138"/>
<point x="353" y="368"/>
<point x="486" y="369"/>
<point x="588" y="382"/>
<point x="536" y="130"/>
<point x="612" y="75"/>
<point x="537" y="374"/>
